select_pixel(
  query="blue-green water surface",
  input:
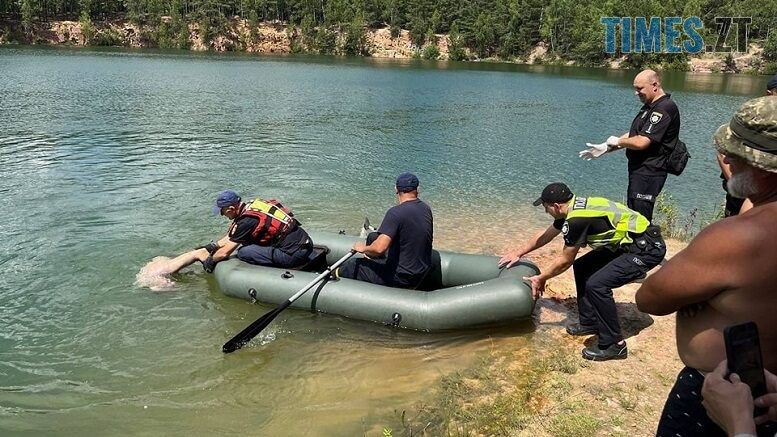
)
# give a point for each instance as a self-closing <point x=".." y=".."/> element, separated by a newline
<point x="110" y="158"/>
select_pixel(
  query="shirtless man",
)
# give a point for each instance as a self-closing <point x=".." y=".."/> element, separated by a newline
<point x="726" y="275"/>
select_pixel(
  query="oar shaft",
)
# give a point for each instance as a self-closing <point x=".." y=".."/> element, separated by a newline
<point x="318" y="278"/>
<point x="251" y="330"/>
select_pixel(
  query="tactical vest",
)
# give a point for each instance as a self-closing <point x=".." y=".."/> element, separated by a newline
<point x="623" y="220"/>
<point x="274" y="221"/>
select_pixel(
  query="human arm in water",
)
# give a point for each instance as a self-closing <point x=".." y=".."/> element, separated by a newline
<point x="170" y="266"/>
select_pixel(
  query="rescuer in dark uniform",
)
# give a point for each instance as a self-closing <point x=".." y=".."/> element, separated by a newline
<point x="654" y="130"/>
<point x="625" y="247"/>
<point x="266" y="231"/>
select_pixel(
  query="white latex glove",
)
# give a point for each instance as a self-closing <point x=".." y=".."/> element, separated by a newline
<point x="612" y="141"/>
<point x="593" y="151"/>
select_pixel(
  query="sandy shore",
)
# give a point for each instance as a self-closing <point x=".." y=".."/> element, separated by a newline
<point x="548" y="389"/>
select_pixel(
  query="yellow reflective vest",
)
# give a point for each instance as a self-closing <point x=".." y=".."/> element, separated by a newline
<point x="622" y="220"/>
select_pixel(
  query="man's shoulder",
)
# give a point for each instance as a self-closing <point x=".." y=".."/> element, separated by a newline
<point x="666" y="104"/>
<point x="244" y="221"/>
<point x="760" y="221"/>
<point x="411" y="205"/>
<point x="744" y="234"/>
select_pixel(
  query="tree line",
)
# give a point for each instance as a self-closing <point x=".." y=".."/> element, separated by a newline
<point x="570" y="29"/>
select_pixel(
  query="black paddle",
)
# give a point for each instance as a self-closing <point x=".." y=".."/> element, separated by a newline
<point x="255" y="328"/>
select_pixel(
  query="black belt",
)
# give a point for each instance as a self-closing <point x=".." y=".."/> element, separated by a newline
<point x="642" y="241"/>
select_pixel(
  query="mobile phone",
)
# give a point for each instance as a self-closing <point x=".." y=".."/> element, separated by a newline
<point x="743" y="352"/>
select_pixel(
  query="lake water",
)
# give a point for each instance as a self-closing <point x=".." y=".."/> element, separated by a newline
<point x="109" y="158"/>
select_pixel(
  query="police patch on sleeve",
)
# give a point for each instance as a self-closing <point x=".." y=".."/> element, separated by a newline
<point x="565" y="228"/>
<point x="655" y="117"/>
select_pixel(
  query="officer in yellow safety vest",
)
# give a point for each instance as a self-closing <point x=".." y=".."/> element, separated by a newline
<point x="625" y="247"/>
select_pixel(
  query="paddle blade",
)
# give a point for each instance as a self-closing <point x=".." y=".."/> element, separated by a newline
<point x="252" y="330"/>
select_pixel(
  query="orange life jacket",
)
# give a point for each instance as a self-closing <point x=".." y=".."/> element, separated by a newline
<point x="274" y="221"/>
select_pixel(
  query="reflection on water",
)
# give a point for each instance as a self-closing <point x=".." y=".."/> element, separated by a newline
<point x="112" y="158"/>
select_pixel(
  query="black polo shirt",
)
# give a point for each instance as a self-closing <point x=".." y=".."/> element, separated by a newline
<point x="659" y="121"/>
<point x="577" y="230"/>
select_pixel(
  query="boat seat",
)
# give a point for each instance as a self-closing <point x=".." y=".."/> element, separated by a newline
<point x="316" y="261"/>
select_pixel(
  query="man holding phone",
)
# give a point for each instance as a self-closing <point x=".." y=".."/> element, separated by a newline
<point x="729" y="401"/>
<point x="726" y="274"/>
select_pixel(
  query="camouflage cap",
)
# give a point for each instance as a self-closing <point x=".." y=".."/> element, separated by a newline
<point x="752" y="134"/>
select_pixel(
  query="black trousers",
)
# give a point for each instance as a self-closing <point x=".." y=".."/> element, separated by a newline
<point x="376" y="271"/>
<point x="643" y="191"/>
<point x="601" y="270"/>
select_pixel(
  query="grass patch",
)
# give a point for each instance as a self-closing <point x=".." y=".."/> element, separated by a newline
<point x="497" y="397"/>
<point x="675" y="224"/>
<point x="574" y="425"/>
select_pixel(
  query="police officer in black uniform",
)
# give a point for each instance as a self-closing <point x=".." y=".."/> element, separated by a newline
<point x="654" y="130"/>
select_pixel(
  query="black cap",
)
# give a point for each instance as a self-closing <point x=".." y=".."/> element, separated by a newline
<point x="557" y="192"/>
<point x="407" y="182"/>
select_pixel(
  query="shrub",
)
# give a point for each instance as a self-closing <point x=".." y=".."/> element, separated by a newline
<point x="431" y="52"/>
<point x="87" y="28"/>
<point x="326" y="41"/>
<point x="456" y="50"/>
<point x="770" y="68"/>
<point x="395" y="30"/>
<point x="356" y="39"/>
<point x="673" y="225"/>
<point x="108" y="37"/>
<point x="770" y="46"/>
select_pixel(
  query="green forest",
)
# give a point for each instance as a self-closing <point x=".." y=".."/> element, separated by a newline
<point x="504" y="29"/>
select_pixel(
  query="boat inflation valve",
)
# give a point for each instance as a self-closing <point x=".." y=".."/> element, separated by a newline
<point x="395" y="319"/>
<point x="287" y="275"/>
<point x="252" y="293"/>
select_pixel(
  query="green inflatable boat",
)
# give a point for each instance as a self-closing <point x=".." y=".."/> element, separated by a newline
<point x="467" y="291"/>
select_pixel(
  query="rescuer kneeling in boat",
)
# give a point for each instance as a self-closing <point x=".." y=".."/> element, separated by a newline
<point x="405" y="238"/>
<point x="625" y="247"/>
<point x="268" y="232"/>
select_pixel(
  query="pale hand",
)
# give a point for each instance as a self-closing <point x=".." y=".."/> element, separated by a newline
<point x="537" y="285"/>
<point x="593" y="151"/>
<point x="509" y="260"/>
<point x="728" y="401"/>
<point x="768" y="400"/>
<point x="359" y="247"/>
<point x="613" y="141"/>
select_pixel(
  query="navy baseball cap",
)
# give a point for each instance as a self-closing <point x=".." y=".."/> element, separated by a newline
<point x="407" y="182"/>
<point x="556" y="192"/>
<point x="225" y="198"/>
<point x="772" y="84"/>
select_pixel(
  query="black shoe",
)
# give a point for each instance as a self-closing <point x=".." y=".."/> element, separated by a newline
<point x="578" y="329"/>
<point x="613" y="352"/>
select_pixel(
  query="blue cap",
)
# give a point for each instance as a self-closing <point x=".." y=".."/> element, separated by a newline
<point x="772" y="84"/>
<point x="407" y="182"/>
<point x="226" y="198"/>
